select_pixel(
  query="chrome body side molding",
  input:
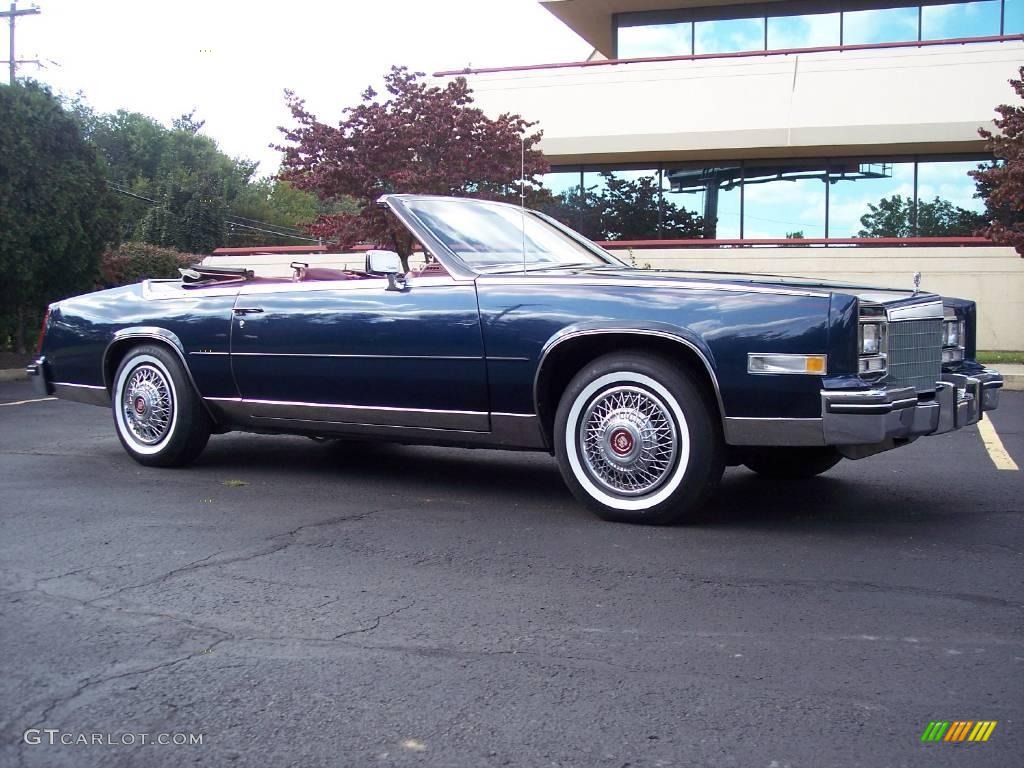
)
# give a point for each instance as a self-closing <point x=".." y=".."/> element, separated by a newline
<point x="622" y="282"/>
<point x="81" y="393"/>
<point x="371" y="416"/>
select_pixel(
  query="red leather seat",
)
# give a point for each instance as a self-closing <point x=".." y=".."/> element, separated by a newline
<point x="324" y="273"/>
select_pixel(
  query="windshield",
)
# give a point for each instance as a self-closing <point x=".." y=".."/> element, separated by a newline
<point x="491" y="237"/>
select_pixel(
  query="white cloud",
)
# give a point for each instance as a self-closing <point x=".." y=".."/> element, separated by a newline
<point x="655" y="40"/>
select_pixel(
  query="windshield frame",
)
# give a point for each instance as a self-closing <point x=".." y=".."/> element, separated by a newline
<point x="457" y="266"/>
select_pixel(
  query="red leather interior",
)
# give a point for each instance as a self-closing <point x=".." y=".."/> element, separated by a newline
<point x="433" y="268"/>
<point x="324" y="273"/>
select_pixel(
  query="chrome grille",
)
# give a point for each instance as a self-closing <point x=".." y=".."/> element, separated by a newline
<point x="915" y="354"/>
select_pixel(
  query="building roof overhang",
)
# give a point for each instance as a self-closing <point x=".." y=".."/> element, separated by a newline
<point x="594" y="20"/>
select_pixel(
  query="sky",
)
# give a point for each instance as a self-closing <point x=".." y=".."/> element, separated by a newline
<point x="231" y="60"/>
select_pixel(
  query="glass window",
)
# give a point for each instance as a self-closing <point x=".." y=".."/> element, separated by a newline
<point x="946" y="202"/>
<point x="870" y="198"/>
<point x="979" y="19"/>
<point x="559" y="197"/>
<point x="784" y="199"/>
<point x="729" y="36"/>
<point x="702" y="201"/>
<point x="623" y="205"/>
<point x="888" y="25"/>
<point x="655" y="40"/>
<point x="811" y="31"/>
<point x="491" y="237"/>
<point x="1013" y="22"/>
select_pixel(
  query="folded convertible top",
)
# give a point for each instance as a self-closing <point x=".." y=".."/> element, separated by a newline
<point x="198" y="275"/>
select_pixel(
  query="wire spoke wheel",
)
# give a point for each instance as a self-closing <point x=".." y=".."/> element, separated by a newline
<point x="629" y="440"/>
<point x="147" y="404"/>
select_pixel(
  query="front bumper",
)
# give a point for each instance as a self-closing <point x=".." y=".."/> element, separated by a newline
<point x="884" y="415"/>
<point x="38" y="372"/>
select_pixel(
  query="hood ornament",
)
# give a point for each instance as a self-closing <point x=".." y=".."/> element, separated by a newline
<point x="917" y="283"/>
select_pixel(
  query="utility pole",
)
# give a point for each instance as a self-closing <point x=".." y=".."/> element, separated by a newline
<point x="11" y="15"/>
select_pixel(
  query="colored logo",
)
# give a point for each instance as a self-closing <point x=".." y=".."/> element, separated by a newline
<point x="958" y="730"/>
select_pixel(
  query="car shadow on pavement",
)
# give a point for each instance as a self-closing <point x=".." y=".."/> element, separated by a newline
<point x="744" y="499"/>
<point x="749" y="500"/>
<point x="524" y="476"/>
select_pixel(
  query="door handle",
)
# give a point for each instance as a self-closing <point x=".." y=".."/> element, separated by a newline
<point x="247" y="310"/>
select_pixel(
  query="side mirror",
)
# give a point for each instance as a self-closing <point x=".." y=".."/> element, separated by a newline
<point x="383" y="262"/>
<point x="387" y="263"/>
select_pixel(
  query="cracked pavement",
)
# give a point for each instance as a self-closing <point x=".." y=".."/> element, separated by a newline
<point x="362" y="605"/>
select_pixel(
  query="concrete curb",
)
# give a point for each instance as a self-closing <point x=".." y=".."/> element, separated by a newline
<point x="1013" y="375"/>
<point x="12" y="374"/>
<point x="1012" y="379"/>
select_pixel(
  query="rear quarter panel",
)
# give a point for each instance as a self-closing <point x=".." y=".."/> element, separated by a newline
<point x="80" y="330"/>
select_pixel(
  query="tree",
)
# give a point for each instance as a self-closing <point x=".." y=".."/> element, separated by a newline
<point x="56" y="214"/>
<point x="189" y="216"/>
<point x="187" y="123"/>
<point x="277" y="206"/>
<point x="895" y="217"/>
<point x="420" y="139"/>
<point x="145" y="161"/>
<point x="1001" y="185"/>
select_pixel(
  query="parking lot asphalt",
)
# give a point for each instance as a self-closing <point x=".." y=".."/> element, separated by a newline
<point x="357" y="605"/>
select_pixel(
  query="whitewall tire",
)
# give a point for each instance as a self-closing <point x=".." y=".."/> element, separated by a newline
<point x="637" y="440"/>
<point x="158" y="416"/>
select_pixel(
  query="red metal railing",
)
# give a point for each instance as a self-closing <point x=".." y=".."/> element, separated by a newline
<point x="736" y="55"/>
<point x="869" y="242"/>
<point x="252" y="251"/>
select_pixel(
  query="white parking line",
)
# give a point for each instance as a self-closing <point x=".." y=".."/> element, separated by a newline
<point x="23" y="402"/>
<point x="994" y="446"/>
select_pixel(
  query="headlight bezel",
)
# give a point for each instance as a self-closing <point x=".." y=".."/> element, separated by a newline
<point x="872" y="343"/>
<point x="954" y="338"/>
<point x="872" y="337"/>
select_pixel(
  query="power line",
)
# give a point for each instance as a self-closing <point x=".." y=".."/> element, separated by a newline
<point x="118" y="188"/>
<point x="269" y="224"/>
<point x="271" y="232"/>
<point x="13" y="61"/>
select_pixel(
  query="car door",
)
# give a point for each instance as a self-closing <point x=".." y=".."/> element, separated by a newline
<point x="355" y="352"/>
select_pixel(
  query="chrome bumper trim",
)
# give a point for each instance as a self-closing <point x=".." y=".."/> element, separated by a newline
<point x="877" y="416"/>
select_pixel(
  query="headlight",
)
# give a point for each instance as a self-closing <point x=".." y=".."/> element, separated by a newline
<point x="871" y="338"/>
<point x="953" y="333"/>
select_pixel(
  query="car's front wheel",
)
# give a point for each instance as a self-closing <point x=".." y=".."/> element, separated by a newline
<point x="638" y="440"/>
<point x="157" y="413"/>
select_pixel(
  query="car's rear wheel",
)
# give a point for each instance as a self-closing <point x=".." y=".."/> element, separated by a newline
<point x="791" y="462"/>
<point x="638" y="440"/>
<point x="157" y="413"/>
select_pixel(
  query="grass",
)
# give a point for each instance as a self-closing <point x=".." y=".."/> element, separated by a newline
<point x="994" y="358"/>
<point x="235" y="483"/>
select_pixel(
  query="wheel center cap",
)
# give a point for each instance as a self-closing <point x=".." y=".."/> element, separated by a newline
<point x="621" y="442"/>
<point x="140" y="405"/>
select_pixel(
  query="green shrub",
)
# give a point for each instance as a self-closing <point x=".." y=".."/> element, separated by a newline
<point x="134" y="262"/>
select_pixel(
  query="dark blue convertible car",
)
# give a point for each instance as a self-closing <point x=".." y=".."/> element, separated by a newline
<point x="521" y="334"/>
